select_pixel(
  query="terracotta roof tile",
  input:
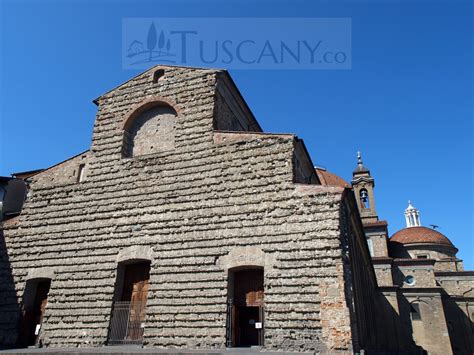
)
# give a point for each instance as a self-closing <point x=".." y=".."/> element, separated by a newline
<point x="330" y="179"/>
<point x="412" y="235"/>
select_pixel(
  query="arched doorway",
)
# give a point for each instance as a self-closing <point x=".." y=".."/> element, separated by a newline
<point x="245" y="316"/>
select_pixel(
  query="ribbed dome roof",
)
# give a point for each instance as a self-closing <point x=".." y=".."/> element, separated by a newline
<point x="412" y="235"/>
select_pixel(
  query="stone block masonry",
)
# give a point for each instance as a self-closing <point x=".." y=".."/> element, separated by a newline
<point x="187" y="204"/>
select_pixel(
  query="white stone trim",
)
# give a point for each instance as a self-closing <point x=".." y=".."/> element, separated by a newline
<point x="246" y="256"/>
<point x="40" y="273"/>
<point x="135" y="252"/>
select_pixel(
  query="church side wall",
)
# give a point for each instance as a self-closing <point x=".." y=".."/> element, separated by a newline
<point x="384" y="274"/>
<point x="364" y="298"/>
<point x="458" y="302"/>
<point x="64" y="173"/>
<point x="460" y="284"/>
<point x="429" y="328"/>
<point x="460" y="319"/>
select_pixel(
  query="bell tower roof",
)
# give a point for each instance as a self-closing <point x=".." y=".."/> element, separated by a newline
<point x="361" y="172"/>
<point x="360" y="165"/>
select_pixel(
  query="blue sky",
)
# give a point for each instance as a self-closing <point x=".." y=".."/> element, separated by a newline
<point x="407" y="102"/>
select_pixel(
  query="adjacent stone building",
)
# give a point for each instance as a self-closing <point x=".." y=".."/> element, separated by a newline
<point x="186" y="226"/>
<point x="420" y="276"/>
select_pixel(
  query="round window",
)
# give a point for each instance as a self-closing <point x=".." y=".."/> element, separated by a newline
<point x="410" y="280"/>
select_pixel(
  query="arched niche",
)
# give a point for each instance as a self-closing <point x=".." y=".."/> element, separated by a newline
<point x="419" y="309"/>
<point x="422" y="302"/>
<point x="150" y="128"/>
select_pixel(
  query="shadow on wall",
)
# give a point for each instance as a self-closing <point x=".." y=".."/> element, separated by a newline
<point x="400" y="326"/>
<point x="399" y="250"/>
<point x="381" y="330"/>
<point x="9" y="303"/>
<point x="460" y="326"/>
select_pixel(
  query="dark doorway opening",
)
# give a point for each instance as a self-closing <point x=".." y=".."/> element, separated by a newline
<point x="128" y="311"/>
<point x="35" y="299"/>
<point x="245" y="308"/>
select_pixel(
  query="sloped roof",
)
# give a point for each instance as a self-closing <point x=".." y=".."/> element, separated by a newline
<point x="330" y="179"/>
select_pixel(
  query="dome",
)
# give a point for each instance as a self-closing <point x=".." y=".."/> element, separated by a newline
<point x="414" y="235"/>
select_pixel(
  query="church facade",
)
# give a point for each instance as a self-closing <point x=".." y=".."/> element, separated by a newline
<point x="186" y="226"/>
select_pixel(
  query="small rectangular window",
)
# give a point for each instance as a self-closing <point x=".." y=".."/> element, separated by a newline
<point x="415" y="311"/>
<point x="80" y="173"/>
<point x="422" y="256"/>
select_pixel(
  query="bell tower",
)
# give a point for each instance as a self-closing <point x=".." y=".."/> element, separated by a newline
<point x="375" y="230"/>
<point x="363" y="185"/>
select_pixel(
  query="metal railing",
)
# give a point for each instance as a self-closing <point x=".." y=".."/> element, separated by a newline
<point x="230" y="323"/>
<point x="127" y="323"/>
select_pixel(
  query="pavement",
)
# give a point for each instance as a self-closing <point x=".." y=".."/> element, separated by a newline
<point x="132" y="350"/>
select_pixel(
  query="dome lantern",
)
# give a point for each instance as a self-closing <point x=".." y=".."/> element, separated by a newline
<point x="412" y="216"/>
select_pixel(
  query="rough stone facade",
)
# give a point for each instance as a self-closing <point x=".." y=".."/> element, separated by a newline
<point x="180" y="177"/>
<point x="199" y="192"/>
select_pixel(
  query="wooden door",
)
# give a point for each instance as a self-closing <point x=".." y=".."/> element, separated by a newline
<point x="136" y="283"/>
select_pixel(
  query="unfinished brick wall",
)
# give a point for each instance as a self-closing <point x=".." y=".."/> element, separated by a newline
<point x="187" y="208"/>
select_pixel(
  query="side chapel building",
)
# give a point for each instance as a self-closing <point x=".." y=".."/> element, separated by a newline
<point x="186" y="226"/>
